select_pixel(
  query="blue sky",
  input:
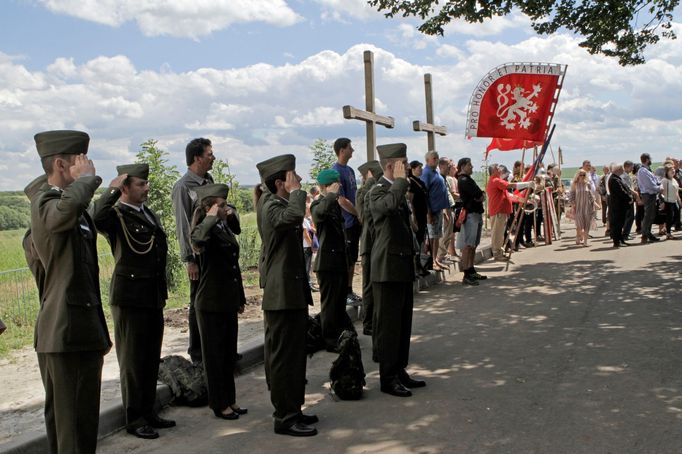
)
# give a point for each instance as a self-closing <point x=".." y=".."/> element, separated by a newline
<point x="263" y="77"/>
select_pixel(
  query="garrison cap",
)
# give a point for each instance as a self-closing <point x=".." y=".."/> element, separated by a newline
<point x="134" y="170"/>
<point x="50" y="143"/>
<point x="392" y="150"/>
<point x="328" y="176"/>
<point x="31" y="189"/>
<point x="372" y="166"/>
<point x="212" y="190"/>
<point x="281" y="163"/>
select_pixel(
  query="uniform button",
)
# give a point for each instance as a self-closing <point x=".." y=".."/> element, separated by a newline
<point x="235" y="279"/>
<point x="234" y="267"/>
<point x="132" y="275"/>
<point x="234" y="254"/>
<point x="88" y="304"/>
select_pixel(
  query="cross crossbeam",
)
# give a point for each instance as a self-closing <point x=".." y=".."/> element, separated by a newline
<point x="429" y="127"/>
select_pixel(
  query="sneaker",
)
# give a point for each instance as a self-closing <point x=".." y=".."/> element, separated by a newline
<point x="470" y="280"/>
<point x="479" y="277"/>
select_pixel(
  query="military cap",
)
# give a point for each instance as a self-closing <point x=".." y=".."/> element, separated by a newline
<point x="212" y="190"/>
<point x="281" y="163"/>
<point x="50" y="143"/>
<point x="134" y="170"/>
<point x="34" y="186"/>
<point x="392" y="150"/>
<point x="328" y="176"/>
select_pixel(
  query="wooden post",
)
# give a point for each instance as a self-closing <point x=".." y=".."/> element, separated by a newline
<point x="368" y="115"/>
<point x="429" y="127"/>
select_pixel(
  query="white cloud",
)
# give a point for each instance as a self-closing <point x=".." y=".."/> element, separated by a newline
<point x="341" y="10"/>
<point x="182" y="18"/>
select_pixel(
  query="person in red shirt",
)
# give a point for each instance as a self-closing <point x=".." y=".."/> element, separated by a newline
<point x="499" y="206"/>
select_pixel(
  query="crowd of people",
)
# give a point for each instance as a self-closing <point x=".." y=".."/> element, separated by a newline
<point x="402" y="220"/>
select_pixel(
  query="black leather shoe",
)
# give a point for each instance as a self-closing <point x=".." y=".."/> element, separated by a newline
<point x="308" y="419"/>
<point x="147" y="432"/>
<point x="654" y="239"/>
<point x="158" y="422"/>
<point x="298" y="430"/>
<point x="231" y="416"/>
<point x="476" y="275"/>
<point x="395" y="388"/>
<point x="240" y="410"/>
<point x="623" y="243"/>
<point x="408" y="382"/>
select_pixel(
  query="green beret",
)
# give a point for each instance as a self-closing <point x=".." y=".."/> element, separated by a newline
<point x="212" y="190"/>
<point x="50" y="143"/>
<point x="31" y="189"/>
<point x="372" y="166"/>
<point x="282" y="163"/>
<point x="134" y="170"/>
<point x="328" y="176"/>
<point x="392" y="150"/>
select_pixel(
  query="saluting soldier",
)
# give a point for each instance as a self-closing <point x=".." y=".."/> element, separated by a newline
<point x="331" y="262"/>
<point x="71" y="336"/>
<point x="370" y="171"/>
<point x="286" y="294"/>
<point x="393" y="271"/>
<point x="137" y="294"/>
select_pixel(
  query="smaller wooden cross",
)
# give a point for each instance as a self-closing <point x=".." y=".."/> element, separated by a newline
<point x="429" y="127"/>
<point x="368" y="115"/>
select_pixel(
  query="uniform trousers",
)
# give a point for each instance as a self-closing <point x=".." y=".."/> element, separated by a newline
<point x="219" y="332"/>
<point x="393" y="303"/>
<point x="285" y="363"/>
<point x="333" y="316"/>
<point x="367" y="294"/>
<point x="194" y="349"/>
<point x="72" y="384"/>
<point x="138" y="334"/>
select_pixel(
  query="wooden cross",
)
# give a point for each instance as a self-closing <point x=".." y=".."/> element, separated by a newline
<point x="429" y="127"/>
<point x="368" y="115"/>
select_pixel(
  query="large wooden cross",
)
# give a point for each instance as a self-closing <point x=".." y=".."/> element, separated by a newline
<point x="368" y="115"/>
<point x="429" y="127"/>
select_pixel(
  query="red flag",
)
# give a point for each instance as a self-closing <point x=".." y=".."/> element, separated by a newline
<point x="510" y="144"/>
<point x="515" y="101"/>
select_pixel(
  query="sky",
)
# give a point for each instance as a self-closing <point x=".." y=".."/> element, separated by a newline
<point x="265" y="77"/>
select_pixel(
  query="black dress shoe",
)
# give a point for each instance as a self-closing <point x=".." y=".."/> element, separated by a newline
<point x="147" y="432"/>
<point x="395" y="388"/>
<point x="231" y="416"/>
<point x="158" y="422"/>
<point x="240" y="410"/>
<point x="408" y="382"/>
<point x="298" y="430"/>
<point x="308" y="419"/>
<point x="623" y="243"/>
<point x="653" y="238"/>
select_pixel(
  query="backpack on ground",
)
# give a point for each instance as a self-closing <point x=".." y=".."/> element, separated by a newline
<point x="314" y="341"/>
<point x="347" y="373"/>
<point x="186" y="381"/>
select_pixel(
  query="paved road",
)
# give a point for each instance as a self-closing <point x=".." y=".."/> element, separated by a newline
<point x="572" y="350"/>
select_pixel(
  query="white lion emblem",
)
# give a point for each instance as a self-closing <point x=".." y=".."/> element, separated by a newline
<point x="518" y="108"/>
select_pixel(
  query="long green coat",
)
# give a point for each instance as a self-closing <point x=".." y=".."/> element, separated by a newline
<point x="328" y="220"/>
<point x="365" y="215"/>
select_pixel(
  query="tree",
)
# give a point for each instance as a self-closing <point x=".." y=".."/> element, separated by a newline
<point x="615" y="28"/>
<point x="162" y="177"/>
<point x="222" y="174"/>
<point x="323" y="157"/>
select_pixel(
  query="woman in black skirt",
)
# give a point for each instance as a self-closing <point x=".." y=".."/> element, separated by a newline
<point x="220" y="295"/>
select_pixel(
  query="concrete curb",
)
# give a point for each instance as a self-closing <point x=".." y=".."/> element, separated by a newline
<point x="112" y="417"/>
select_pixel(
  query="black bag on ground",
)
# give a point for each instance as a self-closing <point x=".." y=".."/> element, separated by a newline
<point x="186" y="381"/>
<point x="314" y="341"/>
<point x="347" y="373"/>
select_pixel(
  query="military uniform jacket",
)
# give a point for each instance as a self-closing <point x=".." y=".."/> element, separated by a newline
<point x="393" y="248"/>
<point x="220" y="280"/>
<point x="328" y="219"/>
<point x="284" y="277"/>
<point x="362" y="205"/>
<point x="70" y="317"/>
<point x="259" y="224"/>
<point x="139" y="280"/>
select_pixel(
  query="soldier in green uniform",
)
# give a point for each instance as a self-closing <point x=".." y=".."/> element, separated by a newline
<point x="286" y="294"/>
<point x="331" y="261"/>
<point x="220" y="295"/>
<point x="370" y="172"/>
<point x="71" y="336"/>
<point x="32" y="260"/>
<point x="392" y="271"/>
<point x="137" y="294"/>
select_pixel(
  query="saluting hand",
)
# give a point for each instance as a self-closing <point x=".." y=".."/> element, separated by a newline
<point x="82" y="167"/>
<point x="118" y="181"/>
<point x="399" y="170"/>
<point x="293" y="182"/>
<point x="334" y="187"/>
<point x="213" y="211"/>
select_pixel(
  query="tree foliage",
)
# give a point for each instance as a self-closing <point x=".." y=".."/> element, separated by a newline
<point x="222" y="174"/>
<point x="615" y="28"/>
<point x="162" y="177"/>
<point x="323" y="157"/>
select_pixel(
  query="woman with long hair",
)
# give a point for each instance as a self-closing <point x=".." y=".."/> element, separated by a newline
<point x="220" y="295"/>
<point x="582" y="198"/>
<point x="671" y="197"/>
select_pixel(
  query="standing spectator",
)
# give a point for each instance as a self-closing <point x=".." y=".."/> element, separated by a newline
<point x="620" y="200"/>
<point x="220" y="295"/>
<point x="639" y="203"/>
<point x="582" y="197"/>
<point x="499" y="207"/>
<point x="344" y="151"/>
<point x="199" y="158"/>
<point x="603" y="189"/>
<point x="630" y="213"/>
<point x="470" y="236"/>
<point x="451" y="180"/>
<point x="649" y="188"/>
<point x="671" y="197"/>
<point x="437" y="202"/>
<point x="309" y="240"/>
<point x="419" y="200"/>
<point x="444" y="165"/>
